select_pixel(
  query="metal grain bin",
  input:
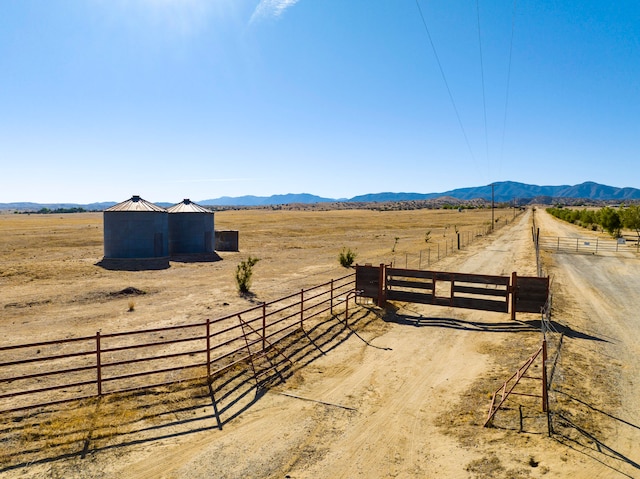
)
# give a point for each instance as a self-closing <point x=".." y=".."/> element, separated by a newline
<point x="136" y="229"/>
<point x="190" y="229"/>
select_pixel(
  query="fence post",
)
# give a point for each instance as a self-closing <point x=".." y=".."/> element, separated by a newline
<point x="264" y="325"/>
<point x="596" y="245"/>
<point x="514" y="292"/>
<point x="331" y="299"/>
<point x="406" y="260"/>
<point x="381" y="285"/>
<point x="458" y="240"/>
<point x="545" y="396"/>
<point x="420" y="260"/>
<point x="208" y="348"/>
<point x="98" y="364"/>
<point x="302" y="308"/>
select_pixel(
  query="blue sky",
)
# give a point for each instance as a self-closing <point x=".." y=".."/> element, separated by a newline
<point x="173" y="99"/>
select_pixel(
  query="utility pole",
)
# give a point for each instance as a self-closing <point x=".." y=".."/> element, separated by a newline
<point x="492" y="206"/>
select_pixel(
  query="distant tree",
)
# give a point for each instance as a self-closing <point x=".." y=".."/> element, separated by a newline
<point x="610" y="221"/>
<point x="631" y="218"/>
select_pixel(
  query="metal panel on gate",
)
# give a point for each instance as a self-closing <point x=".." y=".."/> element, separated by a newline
<point x="368" y="281"/>
<point x="531" y="293"/>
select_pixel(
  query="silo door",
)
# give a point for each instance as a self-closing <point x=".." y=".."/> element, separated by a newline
<point x="157" y="245"/>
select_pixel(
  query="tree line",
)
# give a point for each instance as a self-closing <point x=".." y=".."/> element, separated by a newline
<point x="48" y="211"/>
<point x="611" y="220"/>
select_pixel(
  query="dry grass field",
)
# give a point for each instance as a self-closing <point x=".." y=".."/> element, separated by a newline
<point x="400" y="392"/>
<point x="49" y="274"/>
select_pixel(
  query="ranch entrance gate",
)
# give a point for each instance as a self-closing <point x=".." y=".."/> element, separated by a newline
<point x="522" y="294"/>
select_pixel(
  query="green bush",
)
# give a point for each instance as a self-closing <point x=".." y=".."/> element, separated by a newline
<point x="346" y="257"/>
<point x="244" y="271"/>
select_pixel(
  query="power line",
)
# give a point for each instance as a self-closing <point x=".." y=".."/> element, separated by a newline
<point x="444" y="78"/>
<point x="484" y="99"/>
<point x="506" y="100"/>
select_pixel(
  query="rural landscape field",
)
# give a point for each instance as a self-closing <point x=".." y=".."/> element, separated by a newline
<point x="396" y="392"/>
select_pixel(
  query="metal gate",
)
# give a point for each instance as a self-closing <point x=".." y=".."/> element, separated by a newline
<point x="458" y="290"/>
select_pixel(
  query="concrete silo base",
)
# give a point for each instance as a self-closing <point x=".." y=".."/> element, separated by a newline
<point x="196" y="258"/>
<point x="134" y="264"/>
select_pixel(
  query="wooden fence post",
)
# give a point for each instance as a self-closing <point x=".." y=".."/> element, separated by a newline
<point x="98" y="364"/>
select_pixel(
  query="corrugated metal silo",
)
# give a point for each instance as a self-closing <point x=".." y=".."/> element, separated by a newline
<point x="190" y="229"/>
<point x="136" y="229"/>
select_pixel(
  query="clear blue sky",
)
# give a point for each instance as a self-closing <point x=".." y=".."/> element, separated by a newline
<point x="173" y="99"/>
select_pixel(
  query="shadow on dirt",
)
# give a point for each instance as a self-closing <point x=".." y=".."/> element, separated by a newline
<point x="567" y="331"/>
<point x="571" y="435"/>
<point x="152" y="264"/>
<point x="392" y="316"/>
<point x="114" y="422"/>
<point x="460" y="324"/>
<point x="196" y="258"/>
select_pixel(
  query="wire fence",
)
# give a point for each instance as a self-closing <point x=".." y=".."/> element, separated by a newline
<point x="438" y="250"/>
<point x="53" y="372"/>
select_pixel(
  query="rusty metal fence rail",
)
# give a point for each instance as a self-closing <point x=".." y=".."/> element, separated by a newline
<point x="53" y="372"/>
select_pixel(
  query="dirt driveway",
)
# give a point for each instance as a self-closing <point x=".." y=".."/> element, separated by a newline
<point x="597" y="377"/>
<point x="407" y="395"/>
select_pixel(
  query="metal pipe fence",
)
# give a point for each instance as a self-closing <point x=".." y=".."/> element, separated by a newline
<point x="586" y="245"/>
<point x="53" y="372"/>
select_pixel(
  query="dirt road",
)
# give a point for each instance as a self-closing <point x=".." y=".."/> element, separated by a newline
<point x="407" y="395"/>
<point x="596" y="389"/>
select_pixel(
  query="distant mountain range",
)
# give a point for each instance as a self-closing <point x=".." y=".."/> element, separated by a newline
<point x="503" y="191"/>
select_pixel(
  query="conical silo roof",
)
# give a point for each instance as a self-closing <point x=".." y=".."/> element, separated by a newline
<point x="135" y="203"/>
<point x="188" y="206"/>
